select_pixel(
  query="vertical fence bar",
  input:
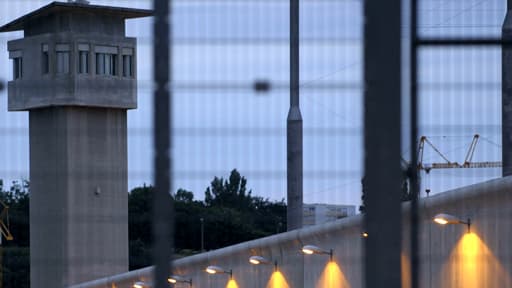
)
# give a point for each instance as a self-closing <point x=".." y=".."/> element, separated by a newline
<point x="162" y="204"/>
<point x="413" y="168"/>
<point x="506" y="93"/>
<point x="294" y="128"/>
<point x="382" y="142"/>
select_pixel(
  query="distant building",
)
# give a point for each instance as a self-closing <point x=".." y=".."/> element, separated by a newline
<point x="314" y="214"/>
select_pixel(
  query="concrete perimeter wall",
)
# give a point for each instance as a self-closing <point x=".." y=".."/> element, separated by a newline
<point x="450" y="256"/>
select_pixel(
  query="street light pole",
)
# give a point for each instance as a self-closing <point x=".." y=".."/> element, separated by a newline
<point x="202" y="233"/>
<point x="294" y="128"/>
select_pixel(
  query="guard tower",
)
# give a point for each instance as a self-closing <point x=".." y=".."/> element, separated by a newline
<point x="75" y="72"/>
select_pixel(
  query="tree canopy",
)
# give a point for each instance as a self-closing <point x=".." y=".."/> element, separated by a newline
<point x="230" y="214"/>
<point x="15" y="255"/>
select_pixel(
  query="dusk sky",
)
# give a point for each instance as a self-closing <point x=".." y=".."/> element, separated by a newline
<point x="222" y="46"/>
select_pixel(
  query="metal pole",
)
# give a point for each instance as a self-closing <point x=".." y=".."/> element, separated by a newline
<point x="506" y="94"/>
<point x="413" y="169"/>
<point x="294" y="128"/>
<point x="202" y="234"/>
<point x="162" y="204"/>
<point x="382" y="142"/>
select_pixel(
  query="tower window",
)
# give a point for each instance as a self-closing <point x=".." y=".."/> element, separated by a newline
<point x="17" y="67"/>
<point x="127" y="66"/>
<point x="83" y="58"/>
<point x="62" y="53"/>
<point x="63" y="62"/>
<point x="106" y="64"/>
<point x="83" y="65"/>
<point x="45" y="60"/>
<point x="127" y="61"/>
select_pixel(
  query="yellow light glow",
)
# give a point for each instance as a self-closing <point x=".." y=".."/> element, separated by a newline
<point x="232" y="284"/>
<point x="171" y="280"/>
<point x="441" y="221"/>
<point x="254" y="261"/>
<point x="405" y="265"/>
<point x="332" y="277"/>
<point x="364" y="234"/>
<point x="277" y="280"/>
<point x="307" y="251"/>
<point x="473" y="265"/>
<point x="137" y="286"/>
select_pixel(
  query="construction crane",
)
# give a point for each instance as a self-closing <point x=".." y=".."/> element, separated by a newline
<point x="449" y="164"/>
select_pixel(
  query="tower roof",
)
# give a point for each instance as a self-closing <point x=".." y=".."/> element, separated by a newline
<point x="60" y="7"/>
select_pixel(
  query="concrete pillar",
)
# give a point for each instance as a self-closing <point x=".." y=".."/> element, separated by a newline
<point x="506" y="95"/>
<point x="294" y="142"/>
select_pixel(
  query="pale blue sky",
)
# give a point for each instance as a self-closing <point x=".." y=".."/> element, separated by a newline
<point x="230" y="44"/>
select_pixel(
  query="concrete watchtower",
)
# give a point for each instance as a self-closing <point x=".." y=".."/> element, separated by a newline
<point x="74" y="71"/>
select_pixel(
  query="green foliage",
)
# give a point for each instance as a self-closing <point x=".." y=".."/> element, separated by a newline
<point x="15" y="266"/>
<point x="140" y="254"/>
<point x="228" y="193"/>
<point x="234" y="215"/>
<point x="184" y="196"/>
<point x="139" y="226"/>
<point x="230" y="215"/>
<point x="405" y="193"/>
<point x="15" y="254"/>
<point x="17" y="199"/>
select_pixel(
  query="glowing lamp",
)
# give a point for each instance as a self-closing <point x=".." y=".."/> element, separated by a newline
<point x="256" y="260"/>
<point x="140" y="284"/>
<point x="311" y="249"/>
<point x="444" y="219"/>
<point x="218" y="270"/>
<point x="173" y="279"/>
<point x="364" y="234"/>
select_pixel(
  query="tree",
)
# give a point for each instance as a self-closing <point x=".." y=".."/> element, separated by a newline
<point x="230" y="215"/>
<point x="231" y="192"/>
<point x="405" y="195"/>
<point x="15" y="254"/>
<point x="139" y="226"/>
<point x="184" y="196"/>
<point x="236" y="216"/>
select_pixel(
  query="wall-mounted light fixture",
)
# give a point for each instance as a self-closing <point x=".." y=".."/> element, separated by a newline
<point x="364" y="234"/>
<point x="444" y="219"/>
<point x="311" y="249"/>
<point x="140" y="284"/>
<point x="219" y="270"/>
<point x="256" y="260"/>
<point x="173" y="279"/>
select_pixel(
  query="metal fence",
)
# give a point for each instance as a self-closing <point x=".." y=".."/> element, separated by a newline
<point x="374" y="78"/>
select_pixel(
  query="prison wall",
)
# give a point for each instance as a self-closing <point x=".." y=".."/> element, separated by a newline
<point x="450" y="256"/>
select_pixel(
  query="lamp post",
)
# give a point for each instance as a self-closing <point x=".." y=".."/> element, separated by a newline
<point x="219" y="270"/>
<point x="202" y="233"/>
<point x="294" y="145"/>
<point x="443" y="219"/>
